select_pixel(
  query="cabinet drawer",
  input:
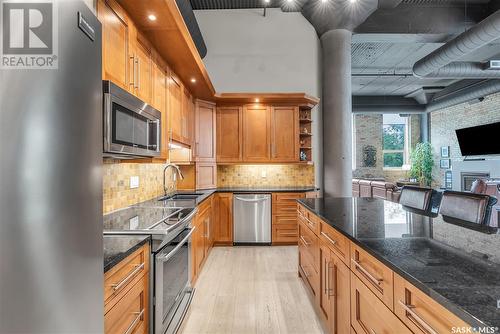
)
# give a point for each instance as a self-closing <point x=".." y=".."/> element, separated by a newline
<point x="126" y="273"/>
<point x="419" y="312"/>
<point x="287" y="220"/>
<point x="288" y="233"/>
<point x="309" y="243"/>
<point x="308" y="273"/>
<point x="130" y="314"/>
<point x="310" y="220"/>
<point x="335" y="241"/>
<point x="285" y="209"/>
<point x="377" y="277"/>
<point x="369" y="315"/>
<point x="290" y="198"/>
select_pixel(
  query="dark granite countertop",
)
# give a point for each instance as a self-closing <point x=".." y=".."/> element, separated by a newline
<point x="118" y="247"/>
<point x="462" y="283"/>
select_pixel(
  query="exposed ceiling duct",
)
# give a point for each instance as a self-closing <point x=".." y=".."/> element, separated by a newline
<point x="386" y="105"/>
<point x="194" y="29"/>
<point x="474" y="91"/>
<point x="442" y="62"/>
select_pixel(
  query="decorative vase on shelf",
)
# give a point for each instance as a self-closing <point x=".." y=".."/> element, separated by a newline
<point x="303" y="156"/>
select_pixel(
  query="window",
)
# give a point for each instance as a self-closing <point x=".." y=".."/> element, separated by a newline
<point x="395" y="141"/>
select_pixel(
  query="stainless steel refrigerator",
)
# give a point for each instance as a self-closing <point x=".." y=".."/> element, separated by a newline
<point x="51" y="254"/>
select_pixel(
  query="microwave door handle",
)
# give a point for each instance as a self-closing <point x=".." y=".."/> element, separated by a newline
<point x="176" y="248"/>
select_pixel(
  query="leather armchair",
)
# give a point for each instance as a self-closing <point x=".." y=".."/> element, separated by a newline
<point x="464" y="207"/>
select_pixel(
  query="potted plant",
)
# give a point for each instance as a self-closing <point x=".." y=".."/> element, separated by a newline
<point x="422" y="163"/>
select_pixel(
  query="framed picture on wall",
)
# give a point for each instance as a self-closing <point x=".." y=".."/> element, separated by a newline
<point x="448" y="179"/>
<point x="445" y="163"/>
<point x="445" y="151"/>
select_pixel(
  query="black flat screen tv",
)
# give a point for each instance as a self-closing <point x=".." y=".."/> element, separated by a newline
<point x="479" y="140"/>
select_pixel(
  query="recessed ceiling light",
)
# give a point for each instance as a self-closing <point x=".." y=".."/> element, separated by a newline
<point x="152" y="17"/>
<point x="193" y="80"/>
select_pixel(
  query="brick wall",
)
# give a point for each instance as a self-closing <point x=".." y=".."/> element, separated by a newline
<point x="443" y="125"/>
<point x="445" y="121"/>
<point x="368" y="131"/>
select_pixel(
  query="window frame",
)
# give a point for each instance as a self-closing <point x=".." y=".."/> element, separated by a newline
<point x="406" y="148"/>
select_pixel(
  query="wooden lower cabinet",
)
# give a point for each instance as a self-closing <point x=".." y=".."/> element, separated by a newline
<point x="284" y="218"/>
<point x="201" y="239"/>
<point x="335" y="296"/>
<point x="362" y="296"/>
<point x="421" y="313"/>
<point x="126" y="291"/>
<point x="130" y="314"/>
<point x="223" y="225"/>
<point x="369" y="315"/>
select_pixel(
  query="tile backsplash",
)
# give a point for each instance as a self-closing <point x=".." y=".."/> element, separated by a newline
<point x="265" y="175"/>
<point x="116" y="183"/>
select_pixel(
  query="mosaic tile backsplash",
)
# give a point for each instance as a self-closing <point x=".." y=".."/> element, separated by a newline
<point x="275" y="175"/>
<point x="116" y="183"/>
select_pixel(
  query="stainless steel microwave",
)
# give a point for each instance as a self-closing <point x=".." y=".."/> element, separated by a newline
<point x="132" y="128"/>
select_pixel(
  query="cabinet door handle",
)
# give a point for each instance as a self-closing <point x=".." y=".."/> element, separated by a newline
<point x="332" y="287"/>
<point x="325" y="276"/>
<point x="119" y="285"/>
<point x="132" y="81"/>
<point x="131" y="327"/>
<point x="138" y="73"/>
<point x="304" y="241"/>
<point x="375" y="280"/>
<point x="420" y="321"/>
<point x="328" y="238"/>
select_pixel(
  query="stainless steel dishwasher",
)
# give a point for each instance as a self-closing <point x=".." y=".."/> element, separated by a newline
<point x="252" y="219"/>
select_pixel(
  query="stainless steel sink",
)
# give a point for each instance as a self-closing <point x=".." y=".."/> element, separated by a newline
<point x="180" y="196"/>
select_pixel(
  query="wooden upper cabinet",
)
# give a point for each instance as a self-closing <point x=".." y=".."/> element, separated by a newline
<point x="187" y="118"/>
<point x="256" y="133"/>
<point x="175" y="107"/>
<point x="205" y="125"/>
<point x="159" y="101"/>
<point x="115" y="42"/>
<point x="229" y="134"/>
<point x="285" y="134"/>
<point x="143" y="70"/>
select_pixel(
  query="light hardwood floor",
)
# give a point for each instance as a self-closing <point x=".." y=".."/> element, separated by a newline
<point x="251" y="290"/>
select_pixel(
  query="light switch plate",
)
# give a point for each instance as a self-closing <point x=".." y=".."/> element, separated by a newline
<point x="134" y="182"/>
<point x="134" y="222"/>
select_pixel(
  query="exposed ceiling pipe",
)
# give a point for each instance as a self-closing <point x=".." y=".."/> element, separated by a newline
<point x="475" y="92"/>
<point x="483" y="33"/>
<point x="464" y="70"/>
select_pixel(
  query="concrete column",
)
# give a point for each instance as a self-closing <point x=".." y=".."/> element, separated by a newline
<point x="424" y="127"/>
<point x="337" y="113"/>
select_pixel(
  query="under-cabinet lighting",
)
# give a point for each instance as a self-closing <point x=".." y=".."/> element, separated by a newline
<point x="257" y="100"/>
<point x="174" y="146"/>
<point x="152" y="17"/>
<point x="193" y="80"/>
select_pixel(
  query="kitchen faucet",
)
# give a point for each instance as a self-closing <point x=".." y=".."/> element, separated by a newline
<point x="177" y="171"/>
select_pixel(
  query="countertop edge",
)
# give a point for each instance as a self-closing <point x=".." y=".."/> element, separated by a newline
<point x="255" y="190"/>
<point x="119" y="257"/>
<point x="440" y="299"/>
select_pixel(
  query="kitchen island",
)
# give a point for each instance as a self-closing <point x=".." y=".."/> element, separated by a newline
<point x="427" y="285"/>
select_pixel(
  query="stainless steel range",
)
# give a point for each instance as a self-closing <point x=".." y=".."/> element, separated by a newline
<point x="170" y="229"/>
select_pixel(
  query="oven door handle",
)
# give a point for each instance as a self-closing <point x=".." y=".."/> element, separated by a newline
<point x="176" y="248"/>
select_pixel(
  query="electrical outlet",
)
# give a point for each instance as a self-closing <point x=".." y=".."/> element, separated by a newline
<point x="263" y="174"/>
<point x="134" y="182"/>
<point x="134" y="222"/>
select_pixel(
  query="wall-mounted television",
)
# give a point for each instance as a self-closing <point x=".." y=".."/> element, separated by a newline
<point x="479" y="140"/>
